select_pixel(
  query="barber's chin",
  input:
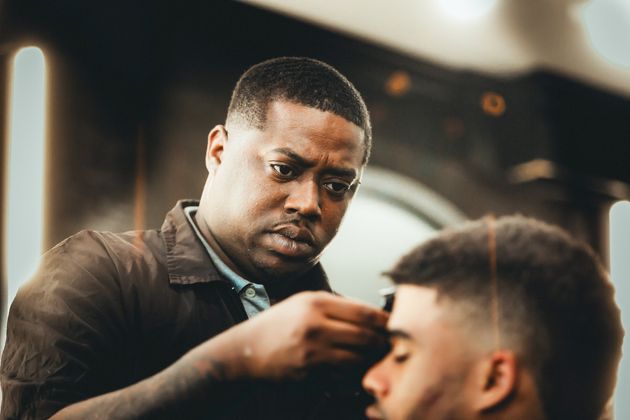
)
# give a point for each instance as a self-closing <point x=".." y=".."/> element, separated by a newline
<point x="373" y="413"/>
<point x="275" y="268"/>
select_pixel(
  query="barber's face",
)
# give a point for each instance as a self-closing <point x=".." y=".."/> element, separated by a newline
<point x="424" y="376"/>
<point x="278" y="194"/>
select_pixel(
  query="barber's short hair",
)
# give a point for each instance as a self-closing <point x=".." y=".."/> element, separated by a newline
<point x="301" y="80"/>
<point x="556" y="306"/>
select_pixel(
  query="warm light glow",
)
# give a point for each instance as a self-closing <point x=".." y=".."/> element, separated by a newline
<point x="467" y="9"/>
<point x="398" y="83"/>
<point x="607" y="23"/>
<point x="620" y="274"/>
<point x="493" y="104"/>
<point x="25" y="192"/>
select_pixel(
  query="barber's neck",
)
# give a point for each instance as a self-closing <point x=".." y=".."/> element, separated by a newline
<point x="216" y="247"/>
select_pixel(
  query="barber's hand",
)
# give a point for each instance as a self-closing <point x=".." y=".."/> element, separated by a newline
<point x="307" y="331"/>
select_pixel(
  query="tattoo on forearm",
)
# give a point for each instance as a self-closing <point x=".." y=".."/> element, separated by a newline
<point x="184" y="389"/>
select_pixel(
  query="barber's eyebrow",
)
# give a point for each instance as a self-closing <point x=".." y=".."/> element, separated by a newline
<point x="302" y="161"/>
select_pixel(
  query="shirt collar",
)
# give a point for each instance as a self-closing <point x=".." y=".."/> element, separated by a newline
<point x="237" y="281"/>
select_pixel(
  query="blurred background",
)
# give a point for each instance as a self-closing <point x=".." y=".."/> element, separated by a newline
<point x="478" y="106"/>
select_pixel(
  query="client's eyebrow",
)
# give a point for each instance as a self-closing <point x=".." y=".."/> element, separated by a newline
<point x="400" y="334"/>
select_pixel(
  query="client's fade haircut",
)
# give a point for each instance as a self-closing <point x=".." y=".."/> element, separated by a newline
<point x="301" y="80"/>
<point x="552" y="297"/>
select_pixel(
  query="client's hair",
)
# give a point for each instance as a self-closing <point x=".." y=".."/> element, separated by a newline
<point x="552" y="300"/>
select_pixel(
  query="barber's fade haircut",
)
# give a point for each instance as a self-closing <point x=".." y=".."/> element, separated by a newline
<point x="556" y="306"/>
<point x="301" y="80"/>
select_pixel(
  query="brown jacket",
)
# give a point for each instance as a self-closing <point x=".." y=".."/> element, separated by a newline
<point x="106" y="310"/>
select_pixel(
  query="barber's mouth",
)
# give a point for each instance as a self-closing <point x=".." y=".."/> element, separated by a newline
<point x="292" y="241"/>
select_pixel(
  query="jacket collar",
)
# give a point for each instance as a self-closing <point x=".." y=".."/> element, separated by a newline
<point x="186" y="259"/>
<point x="188" y="262"/>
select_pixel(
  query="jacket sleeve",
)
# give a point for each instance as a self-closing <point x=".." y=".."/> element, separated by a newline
<point x="65" y="331"/>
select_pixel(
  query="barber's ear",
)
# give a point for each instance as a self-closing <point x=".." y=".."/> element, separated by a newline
<point x="497" y="377"/>
<point x="216" y="144"/>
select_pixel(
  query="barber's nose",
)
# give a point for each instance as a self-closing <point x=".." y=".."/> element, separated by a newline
<point x="304" y="199"/>
<point x="375" y="381"/>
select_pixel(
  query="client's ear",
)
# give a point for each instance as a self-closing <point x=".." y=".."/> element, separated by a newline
<point x="496" y="379"/>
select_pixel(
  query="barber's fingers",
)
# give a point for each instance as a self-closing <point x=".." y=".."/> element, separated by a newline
<point x="348" y="310"/>
<point x="336" y="356"/>
<point x="344" y="334"/>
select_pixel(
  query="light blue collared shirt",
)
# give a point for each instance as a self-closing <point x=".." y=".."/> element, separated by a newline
<point x="253" y="296"/>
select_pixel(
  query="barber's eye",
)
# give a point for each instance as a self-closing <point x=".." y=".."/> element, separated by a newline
<point x="338" y="188"/>
<point x="283" y="170"/>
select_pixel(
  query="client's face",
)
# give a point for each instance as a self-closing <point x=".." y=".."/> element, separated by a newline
<point x="426" y="373"/>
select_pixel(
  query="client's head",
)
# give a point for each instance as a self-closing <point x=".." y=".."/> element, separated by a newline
<point x="507" y="318"/>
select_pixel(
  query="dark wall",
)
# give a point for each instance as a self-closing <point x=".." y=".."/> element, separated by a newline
<point x="136" y="87"/>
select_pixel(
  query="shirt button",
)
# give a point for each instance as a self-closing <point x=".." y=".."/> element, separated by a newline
<point x="250" y="292"/>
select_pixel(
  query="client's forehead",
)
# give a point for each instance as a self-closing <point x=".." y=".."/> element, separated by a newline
<point x="432" y="319"/>
<point x="415" y="308"/>
<point x="434" y="326"/>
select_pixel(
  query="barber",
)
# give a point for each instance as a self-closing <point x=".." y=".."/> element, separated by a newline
<point x="225" y="312"/>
